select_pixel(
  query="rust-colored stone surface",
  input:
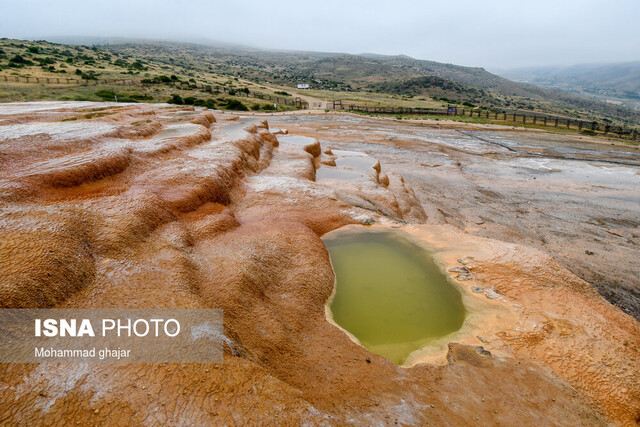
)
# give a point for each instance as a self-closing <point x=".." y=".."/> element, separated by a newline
<point x="149" y="206"/>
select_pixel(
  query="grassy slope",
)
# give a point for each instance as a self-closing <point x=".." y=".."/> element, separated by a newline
<point x="43" y="59"/>
<point x="373" y="79"/>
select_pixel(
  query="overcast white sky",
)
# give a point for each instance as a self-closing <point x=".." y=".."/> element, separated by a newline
<point x="492" y="34"/>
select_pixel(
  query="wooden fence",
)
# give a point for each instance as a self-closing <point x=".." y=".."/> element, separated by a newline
<point x="514" y="116"/>
<point x="67" y="81"/>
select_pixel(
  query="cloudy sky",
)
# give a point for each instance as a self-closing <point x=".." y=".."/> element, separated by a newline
<point x="491" y="33"/>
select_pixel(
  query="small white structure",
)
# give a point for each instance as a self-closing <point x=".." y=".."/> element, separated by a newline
<point x="303" y="86"/>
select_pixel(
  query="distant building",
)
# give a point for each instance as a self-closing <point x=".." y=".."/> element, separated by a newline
<point x="303" y="86"/>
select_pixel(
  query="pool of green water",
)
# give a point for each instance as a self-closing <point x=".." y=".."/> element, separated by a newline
<point x="389" y="292"/>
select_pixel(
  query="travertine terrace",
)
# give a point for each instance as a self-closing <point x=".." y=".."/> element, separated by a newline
<point x="152" y="206"/>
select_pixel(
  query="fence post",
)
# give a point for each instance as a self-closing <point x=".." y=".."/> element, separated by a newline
<point x="634" y="135"/>
<point x="524" y="118"/>
<point x="580" y="125"/>
<point x="514" y="117"/>
<point x="593" y="126"/>
<point x="606" y="129"/>
<point x="556" y="124"/>
<point x="534" y="119"/>
<point x="545" y="120"/>
<point x="568" y="124"/>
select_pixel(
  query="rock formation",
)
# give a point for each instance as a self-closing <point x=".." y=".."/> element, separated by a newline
<point x="151" y="206"/>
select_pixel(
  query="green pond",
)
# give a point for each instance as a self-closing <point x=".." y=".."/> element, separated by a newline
<point x="390" y="294"/>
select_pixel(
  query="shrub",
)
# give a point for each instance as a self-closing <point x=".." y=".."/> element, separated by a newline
<point x="281" y="92"/>
<point x="33" y="49"/>
<point x="265" y="107"/>
<point x="176" y="99"/>
<point x="45" y="61"/>
<point x="234" y="104"/>
<point x="189" y="100"/>
<point x="139" y="65"/>
<point x="19" y="61"/>
<point x="157" y="80"/>
<point x="89" y="75"/>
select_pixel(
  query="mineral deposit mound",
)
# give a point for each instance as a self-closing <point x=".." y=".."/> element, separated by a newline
<point x="152" y="206"/>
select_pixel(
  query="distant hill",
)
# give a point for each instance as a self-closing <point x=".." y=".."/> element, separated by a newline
<point x="618" y="81"/>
